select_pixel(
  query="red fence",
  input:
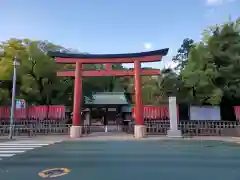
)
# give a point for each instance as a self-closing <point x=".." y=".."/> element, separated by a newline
<point x="162" y="112"/>
<point x="155" y="112"/>
<point x="34" y="113"/>
<point x="58" y="113"/>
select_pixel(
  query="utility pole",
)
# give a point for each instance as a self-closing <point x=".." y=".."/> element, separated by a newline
<point x="12" y="116"/>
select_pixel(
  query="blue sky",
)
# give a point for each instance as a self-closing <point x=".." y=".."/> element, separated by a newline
<point x="111" y="26"/>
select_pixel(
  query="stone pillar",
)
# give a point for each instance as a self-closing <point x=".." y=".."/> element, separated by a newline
<point x="173" y="131"/>
<point x="140" y="128"/>
<point x="87" y="118"/>
<point x="87" y="121"/>
<point x="76" y="128"/>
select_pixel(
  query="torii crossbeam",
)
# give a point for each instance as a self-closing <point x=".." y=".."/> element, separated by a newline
<point x="108" y="60"/>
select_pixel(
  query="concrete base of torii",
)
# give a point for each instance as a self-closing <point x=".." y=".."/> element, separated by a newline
<point x="140" y="131"/>
<point x="76" y="131"/>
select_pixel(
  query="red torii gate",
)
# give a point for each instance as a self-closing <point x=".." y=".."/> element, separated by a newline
<point x="108" y="60"/>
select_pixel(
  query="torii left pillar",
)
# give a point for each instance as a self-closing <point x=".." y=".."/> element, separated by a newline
<point x="76" y="128"/>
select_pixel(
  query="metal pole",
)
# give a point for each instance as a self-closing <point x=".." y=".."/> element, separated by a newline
<point x="13" y="97"/>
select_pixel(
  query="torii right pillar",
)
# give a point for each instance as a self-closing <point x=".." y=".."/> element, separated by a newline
<point x="139" y="128"/>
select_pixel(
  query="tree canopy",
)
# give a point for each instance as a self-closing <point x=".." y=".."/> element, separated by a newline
<point x="212" y="71"/>
<point x="37" y="82"/>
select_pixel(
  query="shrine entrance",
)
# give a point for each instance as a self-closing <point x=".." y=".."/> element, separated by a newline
<point x="108" y="60"/>
<point x="104" y="112"/>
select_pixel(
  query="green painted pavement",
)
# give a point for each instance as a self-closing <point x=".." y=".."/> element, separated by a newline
<point x="117" y="160"/>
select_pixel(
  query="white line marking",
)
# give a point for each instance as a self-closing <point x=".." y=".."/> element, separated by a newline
<point x="16" y="148"/>
<point x="23" y="144"/>
<point x="5" y="146"/>
<point x="9" y="149"/>
<point x="6" y="155"/>
<point x="11" y="152"/>
<point x="31" y="141"/>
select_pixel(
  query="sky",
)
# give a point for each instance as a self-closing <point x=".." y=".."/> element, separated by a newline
<point x="112" y="26"/>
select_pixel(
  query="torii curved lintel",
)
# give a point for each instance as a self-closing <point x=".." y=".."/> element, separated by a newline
<point x="149" y="56"/>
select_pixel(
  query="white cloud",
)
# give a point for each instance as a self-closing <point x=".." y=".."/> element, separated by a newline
<point x="217" y="2"/>
<point x="214" y="2"/>
<point x="147" y="46"/>
<point x="169" y="64"/>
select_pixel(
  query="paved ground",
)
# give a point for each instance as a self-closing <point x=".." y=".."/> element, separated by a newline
<point x="119" y="159"/>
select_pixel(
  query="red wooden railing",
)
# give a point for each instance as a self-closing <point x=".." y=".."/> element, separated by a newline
<point x="35" y="113"/>
<point x="237" y="112"/>
<point x="58" y="113"/>
<point x="155" y="112"/>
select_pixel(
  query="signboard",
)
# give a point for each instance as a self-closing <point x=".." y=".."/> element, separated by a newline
<point x="211" y="113"/>
<point x="20" y="103"/>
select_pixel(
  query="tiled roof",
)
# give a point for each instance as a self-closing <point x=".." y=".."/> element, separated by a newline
<point x="113" y="98"/>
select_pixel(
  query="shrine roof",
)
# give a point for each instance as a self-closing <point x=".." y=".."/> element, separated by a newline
<point x="108" y="98"/>
<point x="162" y="52"/>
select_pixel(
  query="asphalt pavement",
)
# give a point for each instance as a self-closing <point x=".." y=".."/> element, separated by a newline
<point x="117" y="160"/>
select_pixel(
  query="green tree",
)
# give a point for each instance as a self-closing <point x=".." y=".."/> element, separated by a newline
<point x="213" y="69"/>
<point x="181" y="59"/>
<point x="36" y="76"/>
